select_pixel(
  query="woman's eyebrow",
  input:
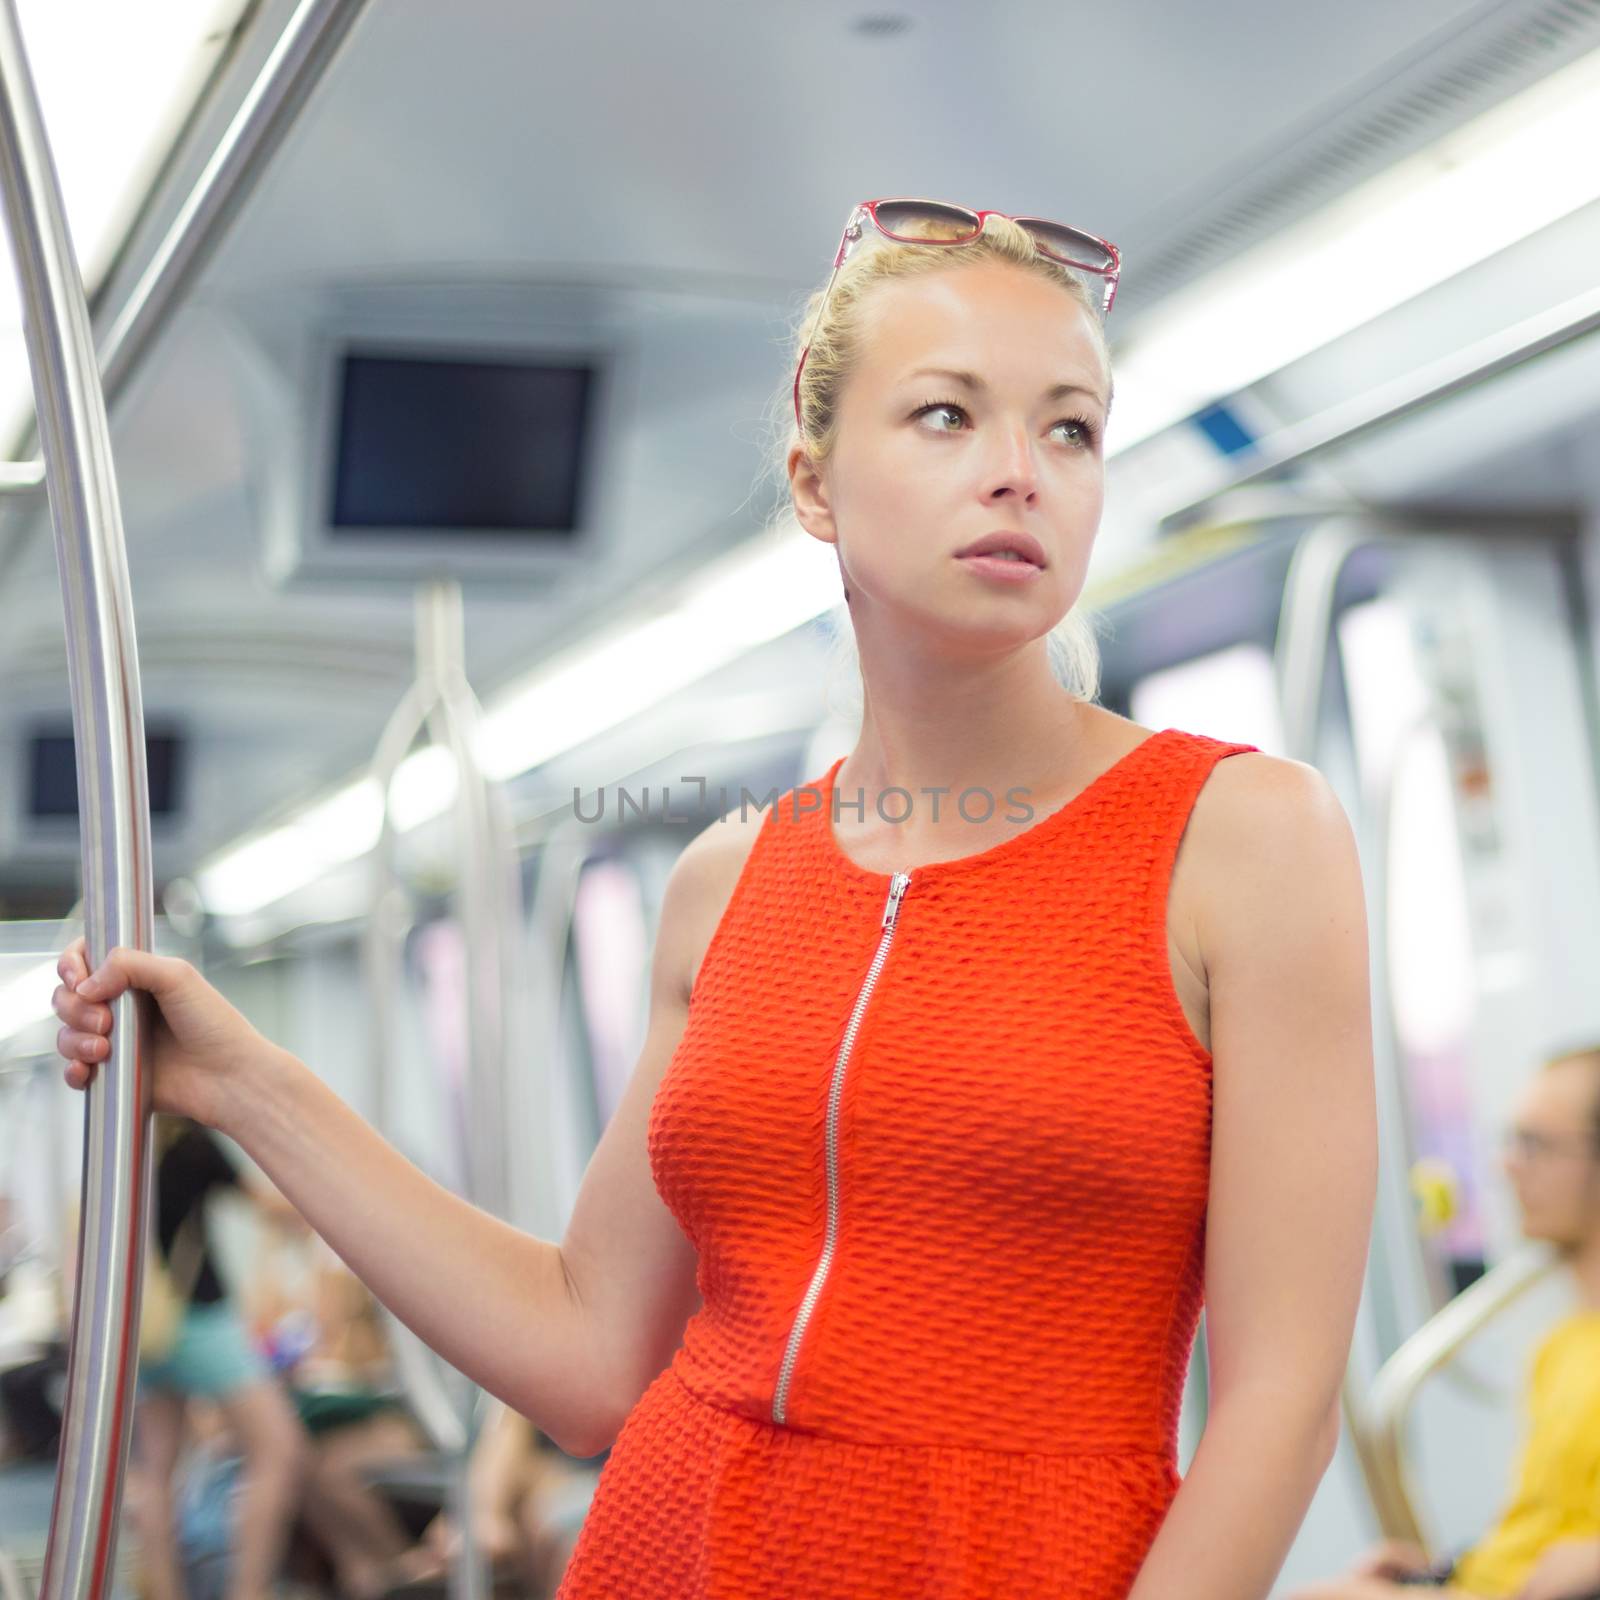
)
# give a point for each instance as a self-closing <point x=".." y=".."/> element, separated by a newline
<point x="970" y="380"/>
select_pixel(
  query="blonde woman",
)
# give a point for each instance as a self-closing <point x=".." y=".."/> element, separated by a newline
<point x="972" y="1065"/>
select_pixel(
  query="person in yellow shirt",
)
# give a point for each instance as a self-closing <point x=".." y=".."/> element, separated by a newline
<point x="1546" y="1545"/>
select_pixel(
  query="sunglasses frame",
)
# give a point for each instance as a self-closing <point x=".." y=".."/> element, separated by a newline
<point x="867" y="211"/>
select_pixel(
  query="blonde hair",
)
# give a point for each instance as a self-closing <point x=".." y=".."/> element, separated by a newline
<point x="835" y="354"/>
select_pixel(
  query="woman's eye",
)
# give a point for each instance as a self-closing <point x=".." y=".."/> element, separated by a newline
<point x="938" y="405"/>
<point x="1082" y="424"/>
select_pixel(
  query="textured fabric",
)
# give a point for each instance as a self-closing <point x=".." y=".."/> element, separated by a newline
<point x="985" y="1398"/>
<point x="1558" y="1478"/>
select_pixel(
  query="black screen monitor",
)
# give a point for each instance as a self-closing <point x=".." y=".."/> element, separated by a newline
<point x="429" y="443"/>
<point x="53" y="773"/>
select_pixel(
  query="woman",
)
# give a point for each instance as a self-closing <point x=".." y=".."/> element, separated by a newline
<point x="211" y="1358"/>
<point x="951" y="1235"/>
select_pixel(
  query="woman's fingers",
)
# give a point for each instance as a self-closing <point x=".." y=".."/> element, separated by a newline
<point x="84" y="1015"/>
<point x="73" y="967"/>
<point x="76" y="1045"/>
<point x="125" y="969"/>
<point x="82" y="1004"/>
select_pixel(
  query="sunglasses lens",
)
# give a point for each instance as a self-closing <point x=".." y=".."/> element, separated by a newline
<point x="1069" y="245"/>
<point x="926" y="219"/>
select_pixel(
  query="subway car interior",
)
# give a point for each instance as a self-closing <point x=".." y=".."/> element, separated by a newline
<point x="320" y="676"/>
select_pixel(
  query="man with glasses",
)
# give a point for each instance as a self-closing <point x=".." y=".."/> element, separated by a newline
<point x="1546" y="1545"/>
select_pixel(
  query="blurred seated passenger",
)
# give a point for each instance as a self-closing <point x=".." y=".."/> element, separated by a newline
<point x="1546" y="1545"/>
<point x="323" y="1331"/>
<point x="211" y="1359"/>
<point x="529" y="1501"/>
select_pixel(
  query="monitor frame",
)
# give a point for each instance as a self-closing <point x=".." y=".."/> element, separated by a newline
<point x="303" y="547"/>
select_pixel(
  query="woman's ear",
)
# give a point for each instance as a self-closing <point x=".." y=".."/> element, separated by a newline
<point x="810" y="497"/>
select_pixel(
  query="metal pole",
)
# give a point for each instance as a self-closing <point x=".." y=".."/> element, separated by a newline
<point x="108" y="723"/>
<point x="291" y="74"/>
<point x="441" y="701"/>
<point x="302" y="54"/>
<point x="1304" y="648"/>
<point x="1438" y="381"/>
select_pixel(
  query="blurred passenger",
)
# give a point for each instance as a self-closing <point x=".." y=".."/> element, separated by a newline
<point x="1546" y="1545"/>
<point x="529" y="1502"/>
<point x="211" y="1358"/>
<point x="325" y="1332"/>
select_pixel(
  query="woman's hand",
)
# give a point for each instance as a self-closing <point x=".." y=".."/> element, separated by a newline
<point x="198" y="1045"/>
<point x="1391" y="1559"/>
<point x="494" y="1532"/>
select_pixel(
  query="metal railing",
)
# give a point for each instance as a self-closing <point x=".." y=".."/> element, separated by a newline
<point x="113" y="801"/>
<point x="108" y="722"/>
<point x="287" y="79"/>
<point x="441" y="701"/>
<point x="1456" y="373"/>
<point x="1305" y="635"/>
<point x="1382" y="1423"/>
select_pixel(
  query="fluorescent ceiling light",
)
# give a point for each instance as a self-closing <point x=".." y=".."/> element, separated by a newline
<point x="753" y="595"/>
<point x="341" y="827"/>
<point x="1510" y="172"/>
<point x="115" y="83"/>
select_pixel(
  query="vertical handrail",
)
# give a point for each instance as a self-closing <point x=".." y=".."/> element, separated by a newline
<point x="1305" y="627"/>
<point x="113" y="800"/>
<point x="1305" y="634"/>
<point x="441" y="701"/>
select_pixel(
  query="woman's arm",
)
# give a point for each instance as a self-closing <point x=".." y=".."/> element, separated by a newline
<point x="1282" y="926"/>
<point x="493" y="1301"/>
<point x="570" y="1334"/>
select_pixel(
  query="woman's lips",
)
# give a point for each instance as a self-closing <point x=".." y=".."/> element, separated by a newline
<point x="1005" y="569"/>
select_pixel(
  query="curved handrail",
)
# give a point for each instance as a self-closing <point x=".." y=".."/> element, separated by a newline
<point x="310" y="39"/>
<point x="490" y="897"/>
<point x="1431" y="1347"/>
<point x="113" y="798"/>
<point x="565" y="846"/>
<point x="1304" y="632"/>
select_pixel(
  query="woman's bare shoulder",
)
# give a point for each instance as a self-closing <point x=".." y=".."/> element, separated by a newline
<point x="1264" y="829"/>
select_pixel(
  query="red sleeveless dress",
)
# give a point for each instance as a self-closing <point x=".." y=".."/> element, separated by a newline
<point x="942" y="1143"/>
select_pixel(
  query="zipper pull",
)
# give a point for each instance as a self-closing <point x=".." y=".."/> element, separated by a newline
<point x="897" y="887"/>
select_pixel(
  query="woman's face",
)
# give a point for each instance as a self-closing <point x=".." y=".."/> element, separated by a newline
<point x="909" y="485"/>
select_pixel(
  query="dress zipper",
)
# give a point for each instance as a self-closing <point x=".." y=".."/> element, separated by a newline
<point x="898" y="885"/>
